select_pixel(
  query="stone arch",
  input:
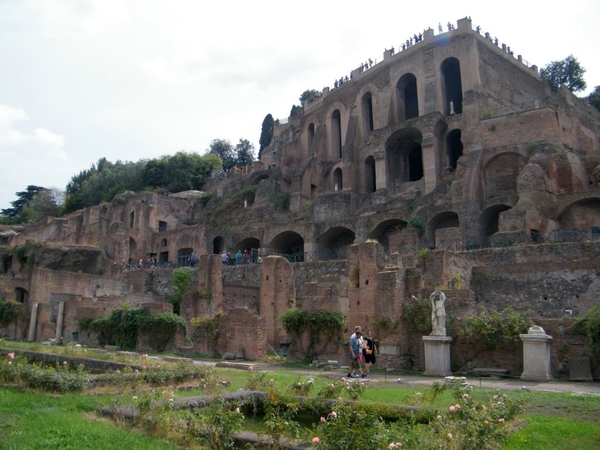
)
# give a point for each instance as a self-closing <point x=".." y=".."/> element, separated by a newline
<point x="249" y="244"/>
<point x="370" y="175"/>
<point x="582" y="214"/>
<point x="407" y="97"/>
<point x="452" y="85"/>
<point x="454" y="147"/>
<point x="404" y="158"/>
<point x="259" y="178"/>
<point x="163" y="242"/>
<point x="290" y="244"/>
<point x="382" y="232"/>
<point x="368" y="123"/>
<point x="336" y="117"/>
<point x="310" y="136"/>
<point x="443" y="220"/>
<point x="337" y="179"/>
<point x="21" y="295"/>
<point x="218" y="244"/>
<point x="183" y="256"/>
<point x="500" y="174"/>
<point x="132" y="250"/>
<point x="489" y="221"/>
<point x="334" y="242"/>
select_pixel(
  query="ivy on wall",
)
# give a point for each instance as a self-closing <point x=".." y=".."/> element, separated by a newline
<point x="320" y="328"/>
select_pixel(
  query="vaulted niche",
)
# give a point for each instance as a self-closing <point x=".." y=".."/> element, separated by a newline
<point x="489" y="221"/>
<point x="334" y="243"/>
<point x="218" y="245"/>
<point x="385" y="229"/>
<point x="311" y="136"/>
<point x="337" y="179"/>
<point x="404" y="158"/>
<point x="454" y="147"/>
<point x="249" y="244"/>
<point x="367" y="113"/>
<point x="370" y="175"/>
<point x="447" y="219"/>
<point x="290" y="244"/>
<point x="408" y="101"/>
<point x="336" y="134"/>
<point x="452" y="86"/>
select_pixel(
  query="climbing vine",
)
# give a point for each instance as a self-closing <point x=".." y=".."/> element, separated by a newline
<point x="10" y="310"/>
<point x="314" y="330"/>
<point x="122" y="327"/>
<point x="591" y="326"/>
<point x="211" y="325"/>
<point x="492" y="327"/>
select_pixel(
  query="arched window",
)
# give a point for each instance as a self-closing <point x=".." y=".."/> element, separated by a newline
<point x="454" y="147"/>
<point x="452" y="86"/>
<point x="336" y="134"/>
<point x="370" y="175"/>
<point x="415" y="164"/>
<point x="408" y="101"/>
<point x="337" y="179"/>
<point x="311" y="135"/>
<point x="367" y="113"/>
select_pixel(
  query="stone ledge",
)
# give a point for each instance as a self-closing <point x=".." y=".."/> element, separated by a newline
<point x="490" y="372"/>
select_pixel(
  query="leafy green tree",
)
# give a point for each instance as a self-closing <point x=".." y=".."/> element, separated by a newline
<point x="308" y="94"/>
<point x="296" y="111"/>
<point x="244" y="153"/>
<point x="224" y="150"/>
<point x="594" y="98"/>
<point x="23" y="199"/>
<point x="567" y="72"/>
<point x="266" y="133"/>
<point x="45" y="203"/>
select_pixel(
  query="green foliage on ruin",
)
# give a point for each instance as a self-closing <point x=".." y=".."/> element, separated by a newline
<point x="316" y="329"/>
<point x="281" y="199"/>
<point x="567" y="72"/>
<point x="11" y="310"/>
<point x="122" y="327"/>
<point x="490" y="327"/>
<point x="416" y="313"/>
<point x="590" y="325"/>
<point x="210" y="325"/>
<point x="417" y="224"/>
<point x="181" y="282"/>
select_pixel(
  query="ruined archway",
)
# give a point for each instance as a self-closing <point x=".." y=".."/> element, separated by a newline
<point x="251" y="245"/>
<point x="489" y="222"/>
<point x="132" y="250"/>
<point x="452" y="84"/>
<point x="370" y="175"/>
<point x="311" y="136"/>
<point x="385" y="229"/>
<point x="334" y="243"/>
<point x="582" y="215"/>
<point x="447" y="221"/>
<point x="501" y="174"/>
<point x="404" y="159"/>
<point x="408" y="101"/>
<point x="21" y="295"/>
<point x="336" y="134"/>
<point x="183" y="257"/>
<point x="454" y="147"/>
<point x="367" y="113"/>
<point x="218" y="245"/>
<point x="290" y="244"/>
<point x="337" y="179"/>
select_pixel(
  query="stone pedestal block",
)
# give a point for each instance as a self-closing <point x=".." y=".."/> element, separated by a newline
<point x="536" y="355"/>
<point x="437" y="355"/>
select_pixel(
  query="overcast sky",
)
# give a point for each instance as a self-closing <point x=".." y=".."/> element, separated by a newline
<point x="137" y="79"/>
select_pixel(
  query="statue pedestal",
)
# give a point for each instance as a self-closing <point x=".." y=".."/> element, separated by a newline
<point x="536" y="355"/>
<point x="437" y="355"/>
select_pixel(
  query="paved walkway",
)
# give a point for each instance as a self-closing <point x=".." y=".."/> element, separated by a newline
<point x="574" y="387"/>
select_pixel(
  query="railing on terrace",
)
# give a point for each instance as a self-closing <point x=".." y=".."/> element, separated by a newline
<point x="534" y="238"/>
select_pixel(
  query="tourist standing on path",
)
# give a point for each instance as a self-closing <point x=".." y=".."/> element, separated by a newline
<point x="238" y="257"/>
<point x="369" y="352"/>
<point x="355" y="351"/>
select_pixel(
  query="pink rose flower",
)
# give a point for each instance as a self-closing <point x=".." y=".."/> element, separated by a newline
<point x="500" y="420"/>
<point x="322" y="419"/>
<point x="452" y="409"/>
<point x="333" y="414"/>
<point x="11" y="355"/>
<point x="315" y="440"/>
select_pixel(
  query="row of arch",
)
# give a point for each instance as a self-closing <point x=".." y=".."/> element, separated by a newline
<point x="407" y="106"/>
<point x="333" y="243"/>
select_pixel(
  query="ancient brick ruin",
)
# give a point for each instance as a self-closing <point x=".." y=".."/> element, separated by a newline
<point x="453" y="145"/>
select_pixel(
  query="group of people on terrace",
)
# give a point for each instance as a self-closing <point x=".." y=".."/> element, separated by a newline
<point x="240" y="258"/>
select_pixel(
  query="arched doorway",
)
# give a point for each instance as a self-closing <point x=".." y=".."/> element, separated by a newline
<point x="337" y="179"/>
<point x="370" y="175"/>
<point x="452" y="86"/>
<point x="408" y="101"/>
<point x="334" y="242"/>
<point x="217" y="245"/>
<point x="367" y="113"/>
<point x="454" y="147"/>
<point x="336" y="134"/>
<point x="404" y="159"/>
<point x="289" y="244"/>
<point x="384" y="230"/>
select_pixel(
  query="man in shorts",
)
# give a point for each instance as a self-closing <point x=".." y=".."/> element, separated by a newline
<point x="355" y="351"/>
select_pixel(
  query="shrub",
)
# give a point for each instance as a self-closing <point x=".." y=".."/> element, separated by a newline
<point x="417" y="224"/>
<point x="491" y="326"/>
